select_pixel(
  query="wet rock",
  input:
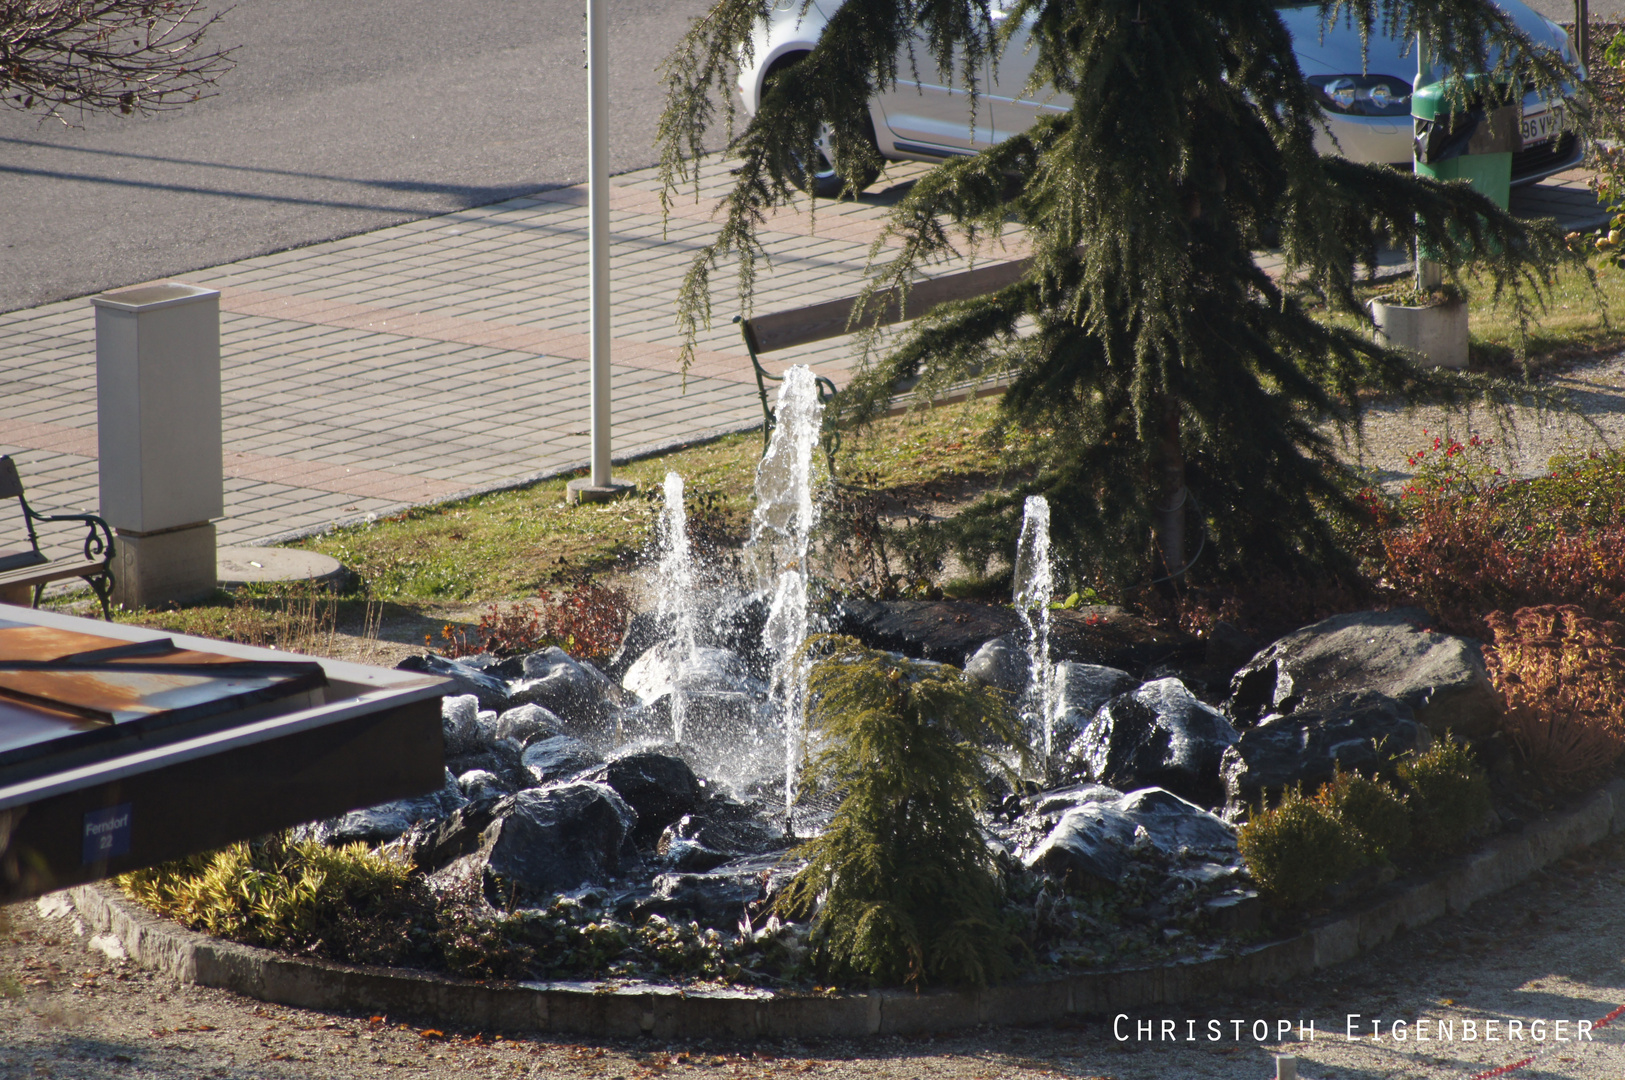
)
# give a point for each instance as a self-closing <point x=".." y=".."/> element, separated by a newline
<point x="1111" y="637"/>
<point x="1002" y="663"/>
<point x="948" y="631"/>
<point x="504" y="757"/>
<point x="708" y="671"/>
<point x="526" y="724"/>
<point x="385" y="822"/>
<point x="718" y="897"/>
<point x="479" y="785"/>
<point x="1362" y="732"/>
<point x="1228" y="647"/>
<point x="551" y="840"/>
<point x="491" y="692"/>
<point x="1095" y="841"/>
<point x="1159" y="734"/>
<point x="1179" y="829"/>
<point x="1440" y="676"/>
<point x="719" y="831"/>
<point x="659" y="786"/>
<point x="575" y="691"/>
<point x="738" y="626"/>
<point x="1080" y="691"/>
<point x="432" y="844"/>
<point x="557" y="757"/>
<point x="643" y="632"/>
<point x="460" y="724"/>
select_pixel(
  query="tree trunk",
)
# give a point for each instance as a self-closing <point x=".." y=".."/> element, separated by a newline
<point x="1168" y="519"/>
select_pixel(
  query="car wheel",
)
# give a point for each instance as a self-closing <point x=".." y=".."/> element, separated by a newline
<point x="824" y="182"/>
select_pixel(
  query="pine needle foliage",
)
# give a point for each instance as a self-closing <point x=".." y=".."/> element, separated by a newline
<point x="902" y="883"/>
<point x="1186" y="389"/>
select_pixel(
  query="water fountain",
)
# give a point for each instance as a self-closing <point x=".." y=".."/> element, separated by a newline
<point x="781" y="530"/>
<point x="1035" y="584"/>
<point x="677" y="596"/>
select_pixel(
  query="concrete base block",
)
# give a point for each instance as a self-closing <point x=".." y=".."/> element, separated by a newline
<point x="580" y="491"/>
<point x="1436" y="335"/>
<point x="178" y="565"/>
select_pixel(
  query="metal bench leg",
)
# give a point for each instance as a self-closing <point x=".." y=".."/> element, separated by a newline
<point x="102" y="586"/>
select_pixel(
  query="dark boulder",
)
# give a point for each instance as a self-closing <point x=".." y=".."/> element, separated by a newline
<point x="385" y="822"/>
<point x="1080" y="691"/>
<point x="1360" y="733"/>
<point x="460" y="726"/>
<point x="575" y="691"/>
<point x="1002" y="663"/>
<point x="643" y="632"/>
<point x="1095" y="841"/>
<point x="718" y="831"/>
<point x="717" y="898"/>
<point x="481" y="785"/>
<point x="1157" y="735"/>
<point x="558" y="757"/>
<point x="1112" y="637"/>
<point x="948" y="631"/>
<point x="433" y="844"/>
<point x="661" y="787"/>
<point x="526" y="724"/>
<point x="491" y="692"/>
<point x="738" y="626"/>
<point x="501" y="757"/>
<point x="557" y="839"/>
<point x="1394" y="653"/>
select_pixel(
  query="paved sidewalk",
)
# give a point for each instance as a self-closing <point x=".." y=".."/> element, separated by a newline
<point x="449" y="354"/>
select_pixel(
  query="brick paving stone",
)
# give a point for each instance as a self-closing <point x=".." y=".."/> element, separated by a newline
<point x="450" y="352"/>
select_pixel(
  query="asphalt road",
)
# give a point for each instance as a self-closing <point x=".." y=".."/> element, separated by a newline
<point x="339" y="118"/>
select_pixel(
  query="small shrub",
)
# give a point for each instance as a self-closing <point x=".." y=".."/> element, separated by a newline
<point x="1465" y="540"/>
<point x="583" y="617"/>
<point x="348" y="903"/>
<point x="902" y="883"/>
<point x="1299" y="848"/>
<point x="1562" y="678"/>
<point x="1373" y="809"/>
<point x="1449" y="796"/>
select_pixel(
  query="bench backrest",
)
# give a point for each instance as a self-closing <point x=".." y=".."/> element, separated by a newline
<point x="11" y="485"/>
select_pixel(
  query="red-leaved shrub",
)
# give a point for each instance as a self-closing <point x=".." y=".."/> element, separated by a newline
<point x="1562" y="677"/>
<point x="584" y="618"/>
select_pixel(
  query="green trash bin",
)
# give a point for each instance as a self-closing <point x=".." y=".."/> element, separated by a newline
<point x="1458" y="137"/>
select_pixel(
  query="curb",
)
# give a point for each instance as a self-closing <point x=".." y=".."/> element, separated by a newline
<point x="630" y="1009"/>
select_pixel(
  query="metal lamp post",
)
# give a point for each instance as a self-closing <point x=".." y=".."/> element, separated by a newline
<point x="599" y="486"/>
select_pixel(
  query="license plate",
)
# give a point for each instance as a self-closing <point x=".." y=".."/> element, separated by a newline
<point x="1542" y="126"/>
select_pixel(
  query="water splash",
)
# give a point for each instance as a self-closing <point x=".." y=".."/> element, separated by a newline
<point x="676" y="587"/>
<point x="1035" y="584"/>
<point x="781" y="531"/>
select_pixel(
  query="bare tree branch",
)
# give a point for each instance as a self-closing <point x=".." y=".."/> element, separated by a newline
<point x="125" y="56"/>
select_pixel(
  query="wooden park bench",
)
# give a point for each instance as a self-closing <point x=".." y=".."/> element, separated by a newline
<point x="819" y="322"/>
<point x="33" y="569"/>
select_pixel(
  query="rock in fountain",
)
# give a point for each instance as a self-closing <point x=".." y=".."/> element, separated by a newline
<point x="1035" y="584"/>
<point x="781" y="530"/>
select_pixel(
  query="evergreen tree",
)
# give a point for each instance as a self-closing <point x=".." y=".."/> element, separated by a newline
<point x="1175" y="375"/>
<point x="901" y="880"/>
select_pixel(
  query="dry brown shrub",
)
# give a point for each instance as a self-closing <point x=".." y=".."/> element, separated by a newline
<point x="1562" y="677"/>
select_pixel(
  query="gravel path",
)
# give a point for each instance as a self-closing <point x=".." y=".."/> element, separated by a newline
<point x="1596" y="389"/>
<point x="1552" y="949"/>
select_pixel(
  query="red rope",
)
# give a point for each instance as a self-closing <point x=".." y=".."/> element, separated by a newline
<point x="1504" y="1069"/>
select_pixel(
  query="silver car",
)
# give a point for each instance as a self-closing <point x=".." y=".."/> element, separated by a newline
<point x="1366" y="107"/>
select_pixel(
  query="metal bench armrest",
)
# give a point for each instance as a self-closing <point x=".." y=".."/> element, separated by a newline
<point x="98" y="537"/>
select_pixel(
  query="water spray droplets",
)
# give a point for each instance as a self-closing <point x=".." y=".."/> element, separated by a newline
<point x="1035" y="584"/>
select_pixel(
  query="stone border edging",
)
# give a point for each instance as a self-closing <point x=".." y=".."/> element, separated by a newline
<point x="672" y="1012"/>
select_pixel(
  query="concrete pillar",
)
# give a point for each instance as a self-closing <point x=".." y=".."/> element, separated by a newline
<point x="158" y="429"/>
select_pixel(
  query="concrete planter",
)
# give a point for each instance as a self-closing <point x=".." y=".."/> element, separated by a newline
<point x="1436" y="334"/>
